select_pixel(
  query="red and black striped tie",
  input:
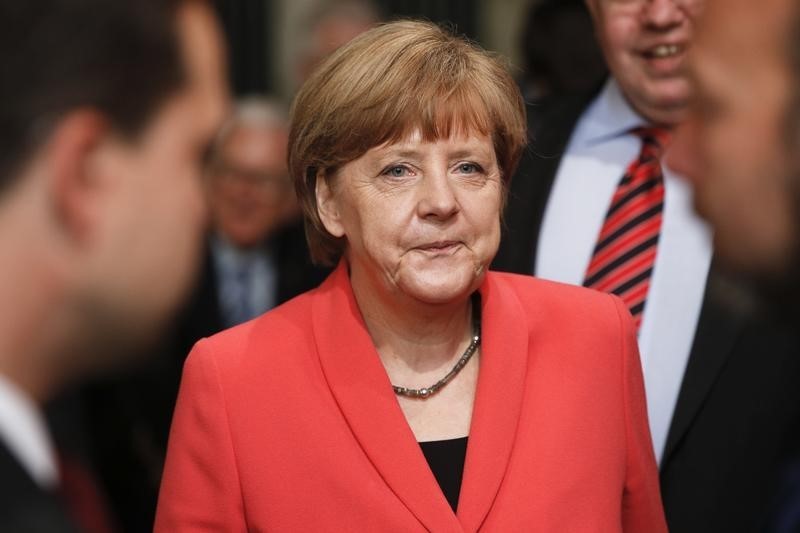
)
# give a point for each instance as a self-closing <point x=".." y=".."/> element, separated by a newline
<point x="623" y="259"/>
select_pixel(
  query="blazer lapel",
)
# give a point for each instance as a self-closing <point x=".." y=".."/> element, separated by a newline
<point x="718" y="329"/>
<point x="503" y="363"/>
<point x="364" y="394"/>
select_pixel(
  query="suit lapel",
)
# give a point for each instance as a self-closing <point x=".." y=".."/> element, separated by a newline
<point x="550" y="126"/>
<point x="503" y="363"/>
<point x="24" y="505"/>
<point x="202" y="315"/>
<point x="718" y="329"/>
<point x="363" y="392"/>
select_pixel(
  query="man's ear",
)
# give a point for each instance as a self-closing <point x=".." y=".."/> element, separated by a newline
<point x="75" y="184"/>
<point x="328" y="206"/>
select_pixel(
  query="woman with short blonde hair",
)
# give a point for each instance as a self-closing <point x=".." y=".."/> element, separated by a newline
<point x="414" y="390"/>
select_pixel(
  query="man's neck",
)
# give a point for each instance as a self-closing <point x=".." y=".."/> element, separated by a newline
<point x="34" y="326"/>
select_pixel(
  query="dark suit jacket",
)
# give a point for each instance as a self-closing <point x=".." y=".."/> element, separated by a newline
<point x="738" y="412"/>
<point x="24" y="506"/>
<point x="130" y="416"/>
<point x="202" y="317"/>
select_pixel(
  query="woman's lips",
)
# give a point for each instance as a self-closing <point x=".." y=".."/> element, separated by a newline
<point x="439" y="247"/>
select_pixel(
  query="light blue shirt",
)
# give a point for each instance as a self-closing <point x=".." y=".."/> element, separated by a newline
<point x="598" y="153"/>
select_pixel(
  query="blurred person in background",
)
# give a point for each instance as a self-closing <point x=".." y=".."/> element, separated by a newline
<point x="257" y="256"/>
<point x="106" y="109"/>
<point x="738" y="148"/>
<point x="560" y="51"/>
<point x="333" y="24"/>
<point x="413" y="390"/>
<point x="593" y="204"/>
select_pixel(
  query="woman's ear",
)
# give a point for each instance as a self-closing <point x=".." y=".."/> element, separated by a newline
<point x="328" y="206"/>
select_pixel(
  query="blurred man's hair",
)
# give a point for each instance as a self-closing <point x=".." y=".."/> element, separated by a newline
<point x="253" y="111"/>
<point x="339" y="20"/>
<point x="121" y="58"/>
<point x="363" y="11"/>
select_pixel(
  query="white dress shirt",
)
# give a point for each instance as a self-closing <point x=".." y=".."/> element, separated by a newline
<point x="24" y="432"/>
<point x="599" y="152"/>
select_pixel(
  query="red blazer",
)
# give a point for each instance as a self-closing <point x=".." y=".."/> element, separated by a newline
<point x="289" y="423"/>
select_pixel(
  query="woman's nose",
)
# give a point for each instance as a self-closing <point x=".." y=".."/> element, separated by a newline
<point x="437" y="197"/>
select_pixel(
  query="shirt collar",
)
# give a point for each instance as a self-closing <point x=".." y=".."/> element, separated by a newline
<point x="609" y="116"/>
<point x="24" y="432"/>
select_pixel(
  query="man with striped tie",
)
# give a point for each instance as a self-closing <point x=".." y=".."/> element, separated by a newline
<point x="593" y="204"/>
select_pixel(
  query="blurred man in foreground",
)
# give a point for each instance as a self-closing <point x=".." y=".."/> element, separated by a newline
<point x="255" y="257"/>
<point x="738" y="148"/>
<point x="106" y="109"/>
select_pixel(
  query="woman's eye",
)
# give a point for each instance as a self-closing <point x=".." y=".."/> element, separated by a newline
<point x="468" y="168"/>
<point x="397" y="171"/>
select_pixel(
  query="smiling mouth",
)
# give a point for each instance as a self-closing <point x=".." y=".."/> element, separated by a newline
<point x="663" y="51"/>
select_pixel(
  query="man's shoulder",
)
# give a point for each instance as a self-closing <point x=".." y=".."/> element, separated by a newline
<point x="24" y="506"/>
<point x="551" y="123"/>
<point x="557" y="114"/>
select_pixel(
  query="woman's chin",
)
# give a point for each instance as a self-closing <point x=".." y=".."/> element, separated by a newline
<point x="439" y="286"/>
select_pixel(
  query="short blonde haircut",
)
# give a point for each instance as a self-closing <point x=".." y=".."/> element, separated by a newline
<point x="393" y="80"/>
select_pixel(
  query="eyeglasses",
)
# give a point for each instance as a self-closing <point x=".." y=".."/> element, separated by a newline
<point x="275" y="186"/>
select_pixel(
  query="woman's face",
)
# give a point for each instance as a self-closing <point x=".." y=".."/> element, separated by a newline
<point x="422" y="219"/>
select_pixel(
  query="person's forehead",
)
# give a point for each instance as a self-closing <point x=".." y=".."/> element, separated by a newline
<point x="415" y="139"/>
<point x="740" y="57"/>
<point x="743" y="33"/>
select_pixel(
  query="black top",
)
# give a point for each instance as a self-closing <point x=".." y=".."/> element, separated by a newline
<point x="446" y="460"/>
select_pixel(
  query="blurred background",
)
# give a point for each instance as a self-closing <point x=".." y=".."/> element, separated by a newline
<point x="273" y="43"/>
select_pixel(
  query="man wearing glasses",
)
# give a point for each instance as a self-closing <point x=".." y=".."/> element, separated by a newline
<point x="257" y="252"/>
<point x="255" y="258"/>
